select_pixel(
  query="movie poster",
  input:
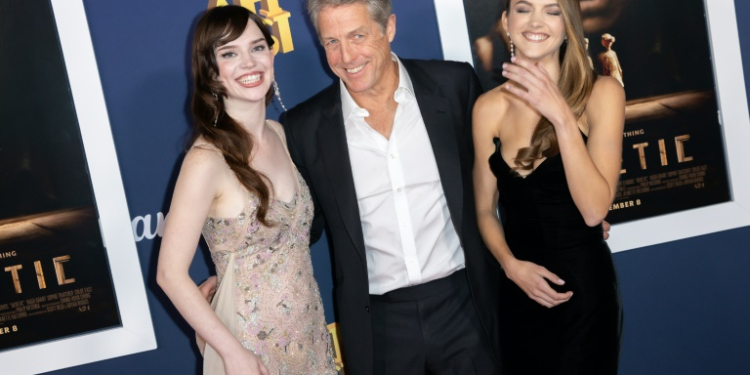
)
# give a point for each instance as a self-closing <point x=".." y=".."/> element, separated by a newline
<point x="54" y="276"/>
<point x="673" y="155"/>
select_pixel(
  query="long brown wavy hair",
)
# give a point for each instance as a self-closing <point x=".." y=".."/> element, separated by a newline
<point x="219" y="26"/>
<point x="575" y="83"/>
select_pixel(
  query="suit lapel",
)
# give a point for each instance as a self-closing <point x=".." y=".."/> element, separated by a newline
<point x="335" y="154"/>
<point x="442" y="132"/>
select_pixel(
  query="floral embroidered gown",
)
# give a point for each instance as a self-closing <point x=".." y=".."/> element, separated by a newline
<point x="267" y="294"/>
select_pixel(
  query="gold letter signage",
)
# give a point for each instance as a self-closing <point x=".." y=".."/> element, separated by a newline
<point x="273" y="15"/>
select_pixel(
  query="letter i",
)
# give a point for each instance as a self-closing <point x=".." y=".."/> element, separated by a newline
<point x="40" y="275"/>
<point x="663" y="153"/>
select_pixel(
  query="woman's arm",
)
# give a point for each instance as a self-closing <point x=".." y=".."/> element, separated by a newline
<point x="488" y="112"/>
<point x="194" y="194"/>
<point x="591" y="169"/>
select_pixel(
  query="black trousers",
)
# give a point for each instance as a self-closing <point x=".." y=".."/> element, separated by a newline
<point x="432" y="328"/>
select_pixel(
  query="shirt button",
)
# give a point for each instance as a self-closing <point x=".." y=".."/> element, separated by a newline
<point x="367" y="309"/>
<point x="398" y="190"/>
<point x="393" y="156"/>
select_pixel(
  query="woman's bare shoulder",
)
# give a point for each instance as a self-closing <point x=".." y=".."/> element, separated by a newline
<point x="607" y="85"/>
<point x="203" y="155"/>
<point x="494" y="103"/>
<point x="606" y="95"/>
<point x="496" y="106"/>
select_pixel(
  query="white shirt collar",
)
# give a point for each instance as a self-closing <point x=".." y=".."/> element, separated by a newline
<point x="404" y="91"/>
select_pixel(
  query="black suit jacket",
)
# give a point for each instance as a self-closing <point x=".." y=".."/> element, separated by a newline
<point x="445" y="92"/>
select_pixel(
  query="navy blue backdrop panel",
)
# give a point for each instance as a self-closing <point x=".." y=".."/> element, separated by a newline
<point x="685" y="302"/>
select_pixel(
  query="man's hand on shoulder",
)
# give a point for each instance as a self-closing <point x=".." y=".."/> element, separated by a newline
<point x="208" y="288"/>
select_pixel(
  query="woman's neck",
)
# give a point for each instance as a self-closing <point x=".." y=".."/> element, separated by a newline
<point x="551" y="64"/>
<point x="251" y="116"/>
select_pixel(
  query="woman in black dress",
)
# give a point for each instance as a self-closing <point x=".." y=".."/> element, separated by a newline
<point x="548" y="147"/>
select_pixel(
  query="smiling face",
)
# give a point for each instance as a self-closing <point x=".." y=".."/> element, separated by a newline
<point x="536" y="28"/>
<point x="245" y="67"/>
<point x="357" y="48"/>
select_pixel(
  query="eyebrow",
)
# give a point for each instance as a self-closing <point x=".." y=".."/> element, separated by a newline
<point x="359" y="30"/>
<point x="545" y="6"/>
<point x="256" y="41"/>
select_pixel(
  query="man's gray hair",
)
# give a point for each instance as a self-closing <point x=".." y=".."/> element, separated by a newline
<point x="379" y="10"/>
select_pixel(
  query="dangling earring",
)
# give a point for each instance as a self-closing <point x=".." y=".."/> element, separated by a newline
<point x="512" y="47"/>
<point x="217" y="115"/>
<point x="278" y="95"/>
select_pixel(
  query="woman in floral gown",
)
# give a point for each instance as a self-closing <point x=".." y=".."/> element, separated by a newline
<point x="239" y="188"/>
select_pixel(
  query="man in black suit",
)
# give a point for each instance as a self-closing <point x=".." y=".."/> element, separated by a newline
<point x="387" y="153"/>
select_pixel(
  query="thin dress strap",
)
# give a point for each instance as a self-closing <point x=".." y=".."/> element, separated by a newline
<point x="283" y="139"/>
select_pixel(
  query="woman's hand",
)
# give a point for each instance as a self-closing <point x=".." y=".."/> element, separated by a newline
<point x="244" y="362"/>
<point x="605" y="229"/>
<point x="541" y="92"/>
<point x="532" y="279"/>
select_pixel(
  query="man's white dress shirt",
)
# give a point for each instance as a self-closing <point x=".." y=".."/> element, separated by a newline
<point x="407" y="228"/>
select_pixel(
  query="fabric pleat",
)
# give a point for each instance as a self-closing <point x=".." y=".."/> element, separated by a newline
<point x="224" y="306"/>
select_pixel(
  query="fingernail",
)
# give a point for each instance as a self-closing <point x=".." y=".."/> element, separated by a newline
<point x="504" y="72"/>
<point x="561" y="281"/>
<point x="505" y="65"/>
<point x="513" y="59"/>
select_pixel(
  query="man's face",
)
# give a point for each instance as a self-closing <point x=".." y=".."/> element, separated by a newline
<point x="600" y="15"/>
<point x="358" y="50"/>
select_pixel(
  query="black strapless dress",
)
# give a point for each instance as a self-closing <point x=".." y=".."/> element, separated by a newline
<point x="543" y="225"/>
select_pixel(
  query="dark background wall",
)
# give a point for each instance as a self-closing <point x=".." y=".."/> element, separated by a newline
<point x="686" y="302"/>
